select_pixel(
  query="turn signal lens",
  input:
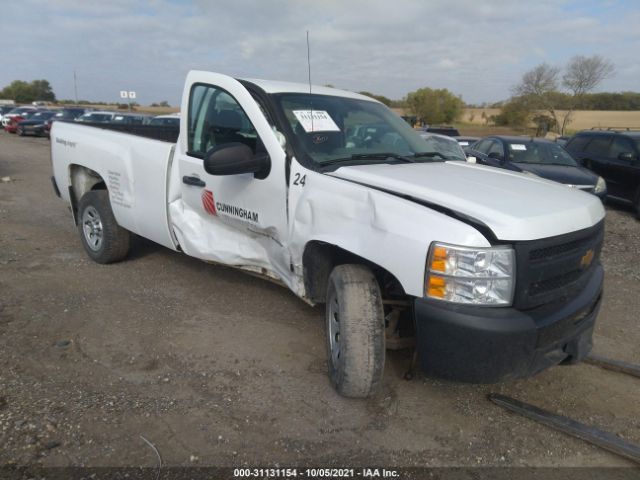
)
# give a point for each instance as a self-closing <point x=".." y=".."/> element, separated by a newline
<point x="439" y="259"/>
<point x="437" y="287"/>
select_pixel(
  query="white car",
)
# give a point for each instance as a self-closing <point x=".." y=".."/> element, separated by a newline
<point x="447" y="145"/>
<point x="495" y="275"/>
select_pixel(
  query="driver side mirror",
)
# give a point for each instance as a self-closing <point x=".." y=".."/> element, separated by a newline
<point x="236" y="158"/>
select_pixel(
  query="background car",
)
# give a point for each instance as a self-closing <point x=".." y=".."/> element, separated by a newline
<point x="35" y="124"/>
<point x="96" y="117"/>
<point x="466" y="141"/>
<point x="17" y="112"/>
<point x="129" y="119"/>
<point x="614" y="155"/>
<point x="13" y="121"/>
<point x="447" y="130"/>
<point x="447" y="145"/>
<point x="66" y="114"/>
<point x="5" y="109"/>
<point x="537" y="156"/>
<point x="172" y="120"/>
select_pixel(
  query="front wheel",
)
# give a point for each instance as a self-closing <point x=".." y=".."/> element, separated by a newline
<point x="355" y="331"/>
<point x="20" y="131"/>
<point x="102" y="238"/>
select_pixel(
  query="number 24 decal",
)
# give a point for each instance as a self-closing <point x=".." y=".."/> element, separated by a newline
<point x="299" y="179"/>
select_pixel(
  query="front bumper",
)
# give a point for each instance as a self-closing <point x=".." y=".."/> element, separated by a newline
<point x="489" y="345"/>
<point x="33" y="129"/>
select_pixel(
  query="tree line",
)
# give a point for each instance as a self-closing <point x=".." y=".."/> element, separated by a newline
<point x="26" y="92"/>
<point x="546" y="89"/>
<point x="623" y="101"/>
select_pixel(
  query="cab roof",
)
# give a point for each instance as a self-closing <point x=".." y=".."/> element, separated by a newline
<point x="275" y="86"/>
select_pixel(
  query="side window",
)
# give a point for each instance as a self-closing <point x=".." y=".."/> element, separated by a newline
<point x="599" y="146"/>
<point x="496" y="147"/>
<point x="620" y="145"/>
<point x="482" y="146"/>
<point x="577" y="143"/>
<point x="216" y="118"/>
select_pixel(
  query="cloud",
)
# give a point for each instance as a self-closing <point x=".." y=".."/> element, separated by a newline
<point x="475" y="49"/>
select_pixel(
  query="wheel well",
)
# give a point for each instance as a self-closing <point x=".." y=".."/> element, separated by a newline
<point x="320" y="258"/>
<point x="81" y="181"/>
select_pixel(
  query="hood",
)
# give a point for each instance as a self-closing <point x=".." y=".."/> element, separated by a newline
<point x="567" y="174"/>
<point x="514" y="206"/>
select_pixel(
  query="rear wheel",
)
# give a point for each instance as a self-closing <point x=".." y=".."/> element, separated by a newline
<point x="102" y="238"/>
<point x="355" y="331"/>
<point x="636" y="204"/>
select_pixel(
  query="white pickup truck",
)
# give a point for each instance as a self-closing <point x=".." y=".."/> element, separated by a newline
<point x="491" y="274"/>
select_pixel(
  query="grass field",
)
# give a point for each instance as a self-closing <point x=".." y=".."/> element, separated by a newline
<point x="582" y="119"/>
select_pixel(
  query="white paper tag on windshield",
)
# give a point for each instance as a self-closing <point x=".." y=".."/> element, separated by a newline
<point x="518" y="146"/>
<point x="320" y="122"/>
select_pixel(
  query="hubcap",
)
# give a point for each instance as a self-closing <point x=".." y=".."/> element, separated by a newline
<point x="334" y="331"/>
<point x="92" y="228"/>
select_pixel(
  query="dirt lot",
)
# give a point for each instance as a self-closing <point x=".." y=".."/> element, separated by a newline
<point x="216" y="367"/>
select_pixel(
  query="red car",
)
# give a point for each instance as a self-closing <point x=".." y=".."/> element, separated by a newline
<point x="18" y="113"/>
<point x="12" y="123"/>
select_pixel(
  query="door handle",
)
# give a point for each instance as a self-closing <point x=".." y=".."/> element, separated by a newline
<point x="195" y="181"/>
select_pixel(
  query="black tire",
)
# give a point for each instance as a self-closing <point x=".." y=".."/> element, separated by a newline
<point x="102" y="238"/>
<point x="355" y="331"/>
<point x="636" y="204"/>
<point x="20" y="132"/>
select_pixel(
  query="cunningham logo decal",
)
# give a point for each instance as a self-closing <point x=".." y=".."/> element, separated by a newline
<point x="237" y="212"/>
<point x="586" y="259"/>
<point x="214" y="208"/>
<point x="208" y="202"/>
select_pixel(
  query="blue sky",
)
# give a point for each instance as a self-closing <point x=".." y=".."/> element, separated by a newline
<point x="477" y="49"/>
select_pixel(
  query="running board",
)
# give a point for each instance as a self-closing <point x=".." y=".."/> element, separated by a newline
<point x="600" y="438"/>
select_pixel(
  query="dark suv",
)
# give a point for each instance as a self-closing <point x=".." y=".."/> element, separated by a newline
<point x="614" y="155"/>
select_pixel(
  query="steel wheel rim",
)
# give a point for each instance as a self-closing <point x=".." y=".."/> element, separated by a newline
<point x="92" y="228"/>
<point x="334" y="331"/>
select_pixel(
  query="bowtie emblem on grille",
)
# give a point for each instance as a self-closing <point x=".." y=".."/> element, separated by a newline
<point x="586" y="259"/>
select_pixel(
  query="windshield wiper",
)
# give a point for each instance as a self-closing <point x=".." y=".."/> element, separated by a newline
<point x="429" y="155"/>
<point x="368" y="156"/>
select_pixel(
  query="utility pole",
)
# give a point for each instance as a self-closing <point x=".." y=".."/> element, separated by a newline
<point x="75" y="85"/>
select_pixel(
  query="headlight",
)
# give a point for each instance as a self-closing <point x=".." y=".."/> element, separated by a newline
<point x="478" y="276"/>
<point x="601" y="185"/>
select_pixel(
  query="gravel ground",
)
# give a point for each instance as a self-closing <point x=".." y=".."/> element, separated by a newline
<point x="215" y="367"/>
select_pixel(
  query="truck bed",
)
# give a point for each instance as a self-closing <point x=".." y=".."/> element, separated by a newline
<point x="132" y="167"/>
<point x="163" y="133"/>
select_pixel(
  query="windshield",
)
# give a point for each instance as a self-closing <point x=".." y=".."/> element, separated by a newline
<point x="331" y="129"/>
<point x="97" y="117"/>
<point x="42" y="115"/>
<point x="540" y="153"/>
<point x="21" y="110"/>
<point x="165" y="121"/>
